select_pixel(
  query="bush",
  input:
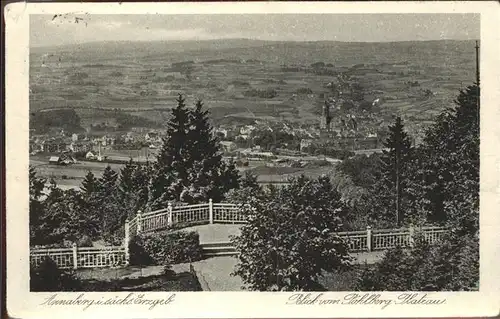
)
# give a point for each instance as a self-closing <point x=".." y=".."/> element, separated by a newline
<point x="165" y="248"/>
<point x="452" y="265"/>
<point x="48" y="277"/>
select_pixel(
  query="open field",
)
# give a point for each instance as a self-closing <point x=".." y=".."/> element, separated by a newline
<point x="144" y="83"/>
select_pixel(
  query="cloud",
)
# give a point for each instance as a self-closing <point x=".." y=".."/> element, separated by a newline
<point x="298" y="27"/>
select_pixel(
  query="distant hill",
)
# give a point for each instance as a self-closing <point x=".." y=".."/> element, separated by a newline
<point x="139" y="49"/>
<point x="285" y="52"/>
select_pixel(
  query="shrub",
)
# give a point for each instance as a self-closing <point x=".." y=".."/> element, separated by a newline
<point x="48" y="277"/>
<point x="165" y="248"/>
<point x="452" y="265"/>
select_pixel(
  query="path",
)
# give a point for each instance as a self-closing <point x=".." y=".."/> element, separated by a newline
<point x="214" y="273"/>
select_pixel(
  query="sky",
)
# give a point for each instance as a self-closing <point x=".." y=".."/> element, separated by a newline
<point x="47" y="30"/>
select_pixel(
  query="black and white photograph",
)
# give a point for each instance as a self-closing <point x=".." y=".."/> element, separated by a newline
<point x="255" y="152"/>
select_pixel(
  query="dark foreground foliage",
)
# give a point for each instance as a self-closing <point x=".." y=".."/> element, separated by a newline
<point x="48" y="277"/>
<point x="165" y="248"/>
<point x="452" y="265"/>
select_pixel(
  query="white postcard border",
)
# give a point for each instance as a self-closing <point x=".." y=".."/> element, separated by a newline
<point x="24" y="304"/>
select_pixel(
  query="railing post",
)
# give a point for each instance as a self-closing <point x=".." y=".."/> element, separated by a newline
<point x="170" y="220"/>
<point x="139" y="222"/>
<point x="127" y="241"/>
<point x="412" y="235"/>
<point x="75" y="256"/>
<point x="368" y="238"/>
<point x="211" y="211"/>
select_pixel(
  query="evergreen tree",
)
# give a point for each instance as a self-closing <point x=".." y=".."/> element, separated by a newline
<point x="89" y="184"/>
<point x="451" y="163"/>
<point x="108" y="183"/>
<point x="128" y="190"/>
<point x="126" y="180"/>
<point x="140" y="180"/>
<point x="249" y="180"/>
<point x="170" y="169"/>
<point x="395" y="164"/>
<point x="230" y="177"/>
<point x="105" y="204"/>
<point x="37" y="184"/>
<point x="209" y="177"/>
<point x="189" y="166"/>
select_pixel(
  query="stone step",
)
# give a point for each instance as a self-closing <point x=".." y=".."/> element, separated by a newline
<point x="220" y="253"/>
<point x="216" y="244"/>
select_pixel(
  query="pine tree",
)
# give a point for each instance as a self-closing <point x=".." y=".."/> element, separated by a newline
<point x="37" y="184"/>
<point x="140" y="178"/>
<point x="189" y="166"/>
<point x="170" y="170"/>
<point x="89" y="184"/>
<point x="106" y="205"/>
<point x="395" y="163"/>
<point x="451" y="165"/>
<point x="126" y="181"/>
<point x="210" y="176"/>
<point x="205" y="158"/>
<point x="249" y="180"/>
<point x="107" y="183"/>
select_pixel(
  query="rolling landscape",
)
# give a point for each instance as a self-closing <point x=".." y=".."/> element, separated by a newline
<point x="241" y="81"/>
<point x="143" y="79"/>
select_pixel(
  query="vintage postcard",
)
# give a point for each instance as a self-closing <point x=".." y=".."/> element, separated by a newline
<point x="263" y="160"/>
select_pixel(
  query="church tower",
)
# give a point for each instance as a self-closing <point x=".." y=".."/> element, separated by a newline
<point x="326" y="118"/>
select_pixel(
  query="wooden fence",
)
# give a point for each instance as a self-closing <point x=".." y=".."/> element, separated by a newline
<point x="209" y="213"/>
